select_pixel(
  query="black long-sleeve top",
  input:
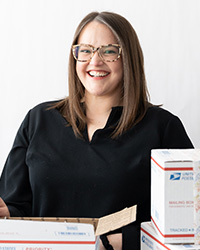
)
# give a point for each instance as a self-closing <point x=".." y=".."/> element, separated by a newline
<point x="51" y="173"/>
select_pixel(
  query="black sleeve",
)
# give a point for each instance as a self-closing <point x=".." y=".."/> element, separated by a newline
<point x="14" y="183"/>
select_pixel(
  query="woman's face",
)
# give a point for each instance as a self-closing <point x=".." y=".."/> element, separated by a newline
<point x="99" y="78"/>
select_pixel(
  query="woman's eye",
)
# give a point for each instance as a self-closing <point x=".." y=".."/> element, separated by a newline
<point x="109" y="52"/>
<point x="85" y="51"/>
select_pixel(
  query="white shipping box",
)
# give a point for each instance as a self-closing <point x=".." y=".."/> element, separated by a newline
<point x="150" y="240"/>
<point x="39" y="235"/>
<point x="172" y="199"/>
<point x="42" y="233"/>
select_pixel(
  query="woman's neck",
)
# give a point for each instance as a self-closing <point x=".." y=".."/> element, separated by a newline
<point x="99" y="106"/>
<point x="97" y="111"/>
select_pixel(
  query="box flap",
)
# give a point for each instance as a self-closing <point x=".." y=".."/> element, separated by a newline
<point x="116" y="220"/>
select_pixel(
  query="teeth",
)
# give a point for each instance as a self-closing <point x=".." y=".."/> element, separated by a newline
<point x="98" y="74"/>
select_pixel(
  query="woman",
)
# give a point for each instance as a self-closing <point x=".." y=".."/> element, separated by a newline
<point x="89" y="154"/>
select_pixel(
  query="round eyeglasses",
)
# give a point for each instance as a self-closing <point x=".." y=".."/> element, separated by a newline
<point x="85" y="52"/>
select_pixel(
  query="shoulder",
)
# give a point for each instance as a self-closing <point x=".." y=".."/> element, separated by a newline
<point x="41" y="107"/>
<point x="169" y="127"/>
<point x="160" y="114"/>
<point x="42" y="113"/>
<point x="162" y="119"/>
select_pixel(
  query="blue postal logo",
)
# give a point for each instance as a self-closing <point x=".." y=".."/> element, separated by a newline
<point x="186" y="176"/>
<point x="147" y="242"/>
<point x="175" y="176"/>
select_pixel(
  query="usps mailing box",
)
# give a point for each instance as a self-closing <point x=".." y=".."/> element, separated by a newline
<point x="42" y="233"/>
<point x="172" y="201"/>
<point x="29" y="235"/>
<point x="150" y="240"/>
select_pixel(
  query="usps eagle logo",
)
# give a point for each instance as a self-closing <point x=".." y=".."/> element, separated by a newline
<point x="175" y="176"/>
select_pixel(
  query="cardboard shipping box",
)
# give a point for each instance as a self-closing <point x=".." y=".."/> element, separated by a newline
<point x="150" y="240"/>
<point x="41" y="235"/>
<point x="172" y="197"/>
<point x="59" y="233"/>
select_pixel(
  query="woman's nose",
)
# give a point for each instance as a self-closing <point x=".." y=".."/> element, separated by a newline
<point x="96" y="59"/>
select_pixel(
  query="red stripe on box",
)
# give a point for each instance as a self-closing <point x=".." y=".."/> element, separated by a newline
<point x="171" y="169"/>
<point x="172" y="235"/>
<point x="48" y="242"/>
<point x="151" y="236"/>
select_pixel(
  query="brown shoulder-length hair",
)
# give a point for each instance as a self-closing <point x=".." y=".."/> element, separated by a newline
<point x="135" y="97"/>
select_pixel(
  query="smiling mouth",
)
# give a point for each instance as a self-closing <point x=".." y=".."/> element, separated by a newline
<point x="98" y="73"/>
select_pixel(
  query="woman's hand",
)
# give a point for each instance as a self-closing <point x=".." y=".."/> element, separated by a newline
<point x="4" y="212"/>
<point x="115" y="240"/>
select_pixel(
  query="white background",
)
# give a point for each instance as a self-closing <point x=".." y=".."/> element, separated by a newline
<point x="35" y="39"/>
